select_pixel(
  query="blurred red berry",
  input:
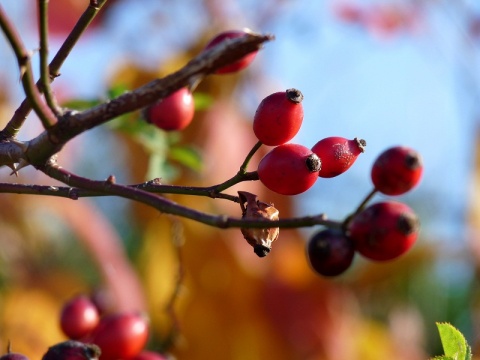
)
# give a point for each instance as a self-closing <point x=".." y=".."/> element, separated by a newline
<point x="121" y="336"/>
<point x="289" y="169"/>
<point x="239" y="64"/>
<point x="173" y="113"/>
<point x="279" y="117"/>
<point x="79" y="317"/>
<point x="337" y="154"/>
<point x="397" y="170"/>
<point x="384" y="231"/>
<point x="13" y="356"/>
<point x="330" y="252"/>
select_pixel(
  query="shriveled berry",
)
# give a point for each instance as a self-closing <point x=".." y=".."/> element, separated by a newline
<point x="279" y="117"/>
<point x="173" y="113"/>
<point x="384" y="231"/>
<point x="337" y="154"/>
<point x="72" y="350"/>
<point x="289" y="169"/>
<point x="239" y="64"/>
<point x="397" y="170"/>
<point x="121" y="336"/>
<point x="79" y="317"/>
<point x="330" y="252"/>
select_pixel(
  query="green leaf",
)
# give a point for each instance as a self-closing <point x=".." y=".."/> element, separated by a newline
<point x="454" y="343"/>
<point x="186" y="156"/>
<point x="202" y="100"/>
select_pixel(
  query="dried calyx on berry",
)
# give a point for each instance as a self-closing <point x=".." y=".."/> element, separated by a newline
<point x="253" y="209"/>
<point x="72" y="350"/>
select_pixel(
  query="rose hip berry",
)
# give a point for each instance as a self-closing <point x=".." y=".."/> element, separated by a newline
<point x="173" y="113"/>
<point x="337" y="154"/>
<point x="239" y="64"/>
<point x="121" y="336"/>
<point x="72" y="350"/>
<point x="289" y="169"/>
<point x="79" y="317"/>
<point x="397" y="170"/>
<point x="330" y="252"/>
<point x="384" y="231"/>
<point x="278" y="117"/>
<point x="13" y="356"/>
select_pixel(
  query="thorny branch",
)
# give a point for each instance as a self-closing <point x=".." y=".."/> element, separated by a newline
<point x="62" y="125"/>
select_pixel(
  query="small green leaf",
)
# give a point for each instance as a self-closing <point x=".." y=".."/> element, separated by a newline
<point x="202" y="100"/>
<point x="186" y="156"/>
<point x="454" y="344"/>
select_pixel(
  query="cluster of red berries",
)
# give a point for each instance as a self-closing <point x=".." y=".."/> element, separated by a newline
<point x="175" y="112"/>
<point x="382" y="231"/>
<point x="118" y="335"/>
<point x="290" y="169"/>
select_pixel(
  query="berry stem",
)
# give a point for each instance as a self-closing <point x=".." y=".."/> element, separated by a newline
<point x="243" y="167"/>
<point x="360" y="207"/>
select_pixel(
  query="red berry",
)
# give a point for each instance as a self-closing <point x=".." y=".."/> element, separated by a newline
<point x="279" y="117"/>
<point x="289" y="169"/>
<point x="121" y="336"/>
<point x="337" y="154"/>
<point x="173" y="113"/>
<point x="79" y="317"/>
<point x="13" y="356"/>
<point x="330" y="252"/>
<point x="384" y="231"/>
<point x="72" y="350"/>
<point x="149" y="355"/>
<point x="397" y="170"/>
<point x="239" y="64"/>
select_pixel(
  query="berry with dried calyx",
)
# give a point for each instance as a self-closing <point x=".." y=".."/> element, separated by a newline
<point x="289" y="169"/>
<point x="397" y="170"/>
<point x="72" y="350"/>
<point x="337" y="154"/>
<point x="278" y="117"/>
<point x="384" y="231"/>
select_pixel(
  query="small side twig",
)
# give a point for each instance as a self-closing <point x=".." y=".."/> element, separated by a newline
<point x="26" y="74"/>
<point x="44" y="71"/>
<point x="16" y="122"/>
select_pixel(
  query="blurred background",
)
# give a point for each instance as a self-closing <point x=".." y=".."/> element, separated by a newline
<point x="403" y="72"/>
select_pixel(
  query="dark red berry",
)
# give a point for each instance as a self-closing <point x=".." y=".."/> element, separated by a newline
<point x="121" y="336"/>
<point x="72" y="350"/>
<point x="79" y="317"/>
<point x="397" y="170"/>
<point x="330" y="252"/>
<point x="13" y="356"/>
<point x="289" y="169"/>
<point x="239" y="64"/>
<point x="384" y="231"/>
<point x="279" y="117"/>
<point x="173" y="113"/>
<point x="149" y="355"/>
<point x="337" y="154"/>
